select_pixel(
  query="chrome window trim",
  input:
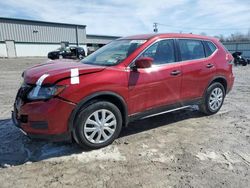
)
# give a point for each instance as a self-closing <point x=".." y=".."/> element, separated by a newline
<point x="130" y="65"/>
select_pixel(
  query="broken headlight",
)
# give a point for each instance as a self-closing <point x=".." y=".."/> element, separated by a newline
<point x="44" y="92"/>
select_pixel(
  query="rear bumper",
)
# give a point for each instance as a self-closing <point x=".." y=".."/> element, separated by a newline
<point x="231" y="83"/>
<point x="46" y="120"/>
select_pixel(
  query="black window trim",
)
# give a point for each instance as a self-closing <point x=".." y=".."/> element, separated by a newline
<point x="177" y="52"/>
<point x="202" y="40"/>
<point x="205" y="43"/>
<point x="206" y="46"/>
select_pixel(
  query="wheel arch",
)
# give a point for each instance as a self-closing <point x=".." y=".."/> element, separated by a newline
<point x="220" y="79"/>
<point x="112" y="97"/>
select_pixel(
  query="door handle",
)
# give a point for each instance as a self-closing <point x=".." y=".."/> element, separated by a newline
<point x="210" y="65"/>
<point x="175" y="72"/>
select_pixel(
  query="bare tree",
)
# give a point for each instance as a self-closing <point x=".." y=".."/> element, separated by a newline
<point x="235" y="37"/>
<point x="221" y="38"/>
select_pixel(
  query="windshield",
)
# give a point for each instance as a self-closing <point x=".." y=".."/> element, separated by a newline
<point x="64" y="49"/>
<point x="113" y="53"/>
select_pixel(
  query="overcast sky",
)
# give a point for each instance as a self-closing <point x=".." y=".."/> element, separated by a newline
<point x="127" y="17"/>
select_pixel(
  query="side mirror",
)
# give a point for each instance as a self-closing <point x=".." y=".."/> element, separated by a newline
<point x="144" y="62"/>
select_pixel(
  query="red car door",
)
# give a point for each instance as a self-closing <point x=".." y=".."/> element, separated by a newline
<point x="196" y="69"/>
<point x="158" y="85"/>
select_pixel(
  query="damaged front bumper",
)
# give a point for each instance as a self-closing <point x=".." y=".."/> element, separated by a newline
<point x="46" y="120"/>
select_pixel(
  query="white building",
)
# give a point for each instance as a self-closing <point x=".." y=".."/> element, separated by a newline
<point x="24" y="38"/>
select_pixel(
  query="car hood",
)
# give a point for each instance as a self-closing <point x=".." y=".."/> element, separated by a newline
<point x="57" y="70"/>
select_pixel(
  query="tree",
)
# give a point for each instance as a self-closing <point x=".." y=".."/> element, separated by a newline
<point x="235" y="37"/>
<point x="221" y="38"/>
<point x="203" y="33"/>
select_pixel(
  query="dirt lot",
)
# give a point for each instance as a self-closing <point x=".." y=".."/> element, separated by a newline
<point x="180" y="149"/>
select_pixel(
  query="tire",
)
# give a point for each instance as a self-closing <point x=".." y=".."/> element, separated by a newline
<point x="80" y="57"/>
<point x="244" y="63"/>
<point x="91" y="131"/>
<point x="213" y="99"/>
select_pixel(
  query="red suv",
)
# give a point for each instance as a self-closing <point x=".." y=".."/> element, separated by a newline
<point x="130" y="78"/>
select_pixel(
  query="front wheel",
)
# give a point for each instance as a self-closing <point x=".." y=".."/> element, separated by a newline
<point x="213" y="99"/>
<point x="98" y="125"/>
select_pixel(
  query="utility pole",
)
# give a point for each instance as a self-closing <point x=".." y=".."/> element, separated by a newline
<point x="155" y="27"/>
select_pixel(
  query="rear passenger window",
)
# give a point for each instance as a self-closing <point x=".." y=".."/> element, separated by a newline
<point x="210" y="48"/>
<point x="191" y="49"/>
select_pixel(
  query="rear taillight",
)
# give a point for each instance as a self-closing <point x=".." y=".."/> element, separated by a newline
<point x="229" y="58"/>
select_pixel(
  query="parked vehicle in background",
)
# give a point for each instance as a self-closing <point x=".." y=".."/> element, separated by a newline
<point x="239" y="60"/>
<point x="130" y="78"/>
<point x="71" y="52"/>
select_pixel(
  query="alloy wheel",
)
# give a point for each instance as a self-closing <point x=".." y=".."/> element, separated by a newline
<point x="100" y="126"/>
<point x="216" y="98"/>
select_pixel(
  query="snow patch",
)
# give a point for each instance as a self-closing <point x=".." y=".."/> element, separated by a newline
<point x="104" y="154"/>
<point x="226" y="157"/>
<point x="208" y="156"/>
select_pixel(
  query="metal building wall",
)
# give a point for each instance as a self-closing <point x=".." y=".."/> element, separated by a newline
<point x="40" y="32"/>
<point x="3" y="50"/>
<point x="39" y="50"/>
<point x="81" y="34"/>
<point x="243" y="47"/>
<point x="37" y="38"/>
<point x="100" y="39"/>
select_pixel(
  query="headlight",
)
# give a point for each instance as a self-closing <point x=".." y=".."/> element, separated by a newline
<point x="44" y="92"/>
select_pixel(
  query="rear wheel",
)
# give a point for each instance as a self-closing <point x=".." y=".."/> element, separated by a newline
<point x="98" y="125"/>
<point x="213" y="99"/>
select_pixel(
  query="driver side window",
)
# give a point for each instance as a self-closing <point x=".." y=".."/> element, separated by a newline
<point x="162" y="52"/>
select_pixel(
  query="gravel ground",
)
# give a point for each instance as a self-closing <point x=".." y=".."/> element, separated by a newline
<point x="179" y="149"/>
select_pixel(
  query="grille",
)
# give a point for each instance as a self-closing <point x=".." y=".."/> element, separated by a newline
<point x="23" y="91"/>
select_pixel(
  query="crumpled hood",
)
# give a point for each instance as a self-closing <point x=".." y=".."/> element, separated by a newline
<point x="57" y="70"/>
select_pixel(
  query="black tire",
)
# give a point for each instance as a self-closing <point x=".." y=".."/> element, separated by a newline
<point x="244" y="63"/>
<point x="80" y="56"/>
<point x="52" y="58"/>
<point x="83" y="116"/>
<point x="205" y="107"/>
